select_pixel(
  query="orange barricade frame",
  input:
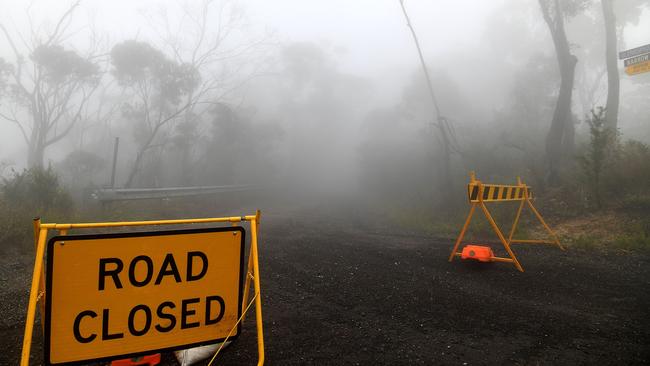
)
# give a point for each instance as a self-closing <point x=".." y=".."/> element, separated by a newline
<point x="479" y="194"/>
<point x="37" y="292"/>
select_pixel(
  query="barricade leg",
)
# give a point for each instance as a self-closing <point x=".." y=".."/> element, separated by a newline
<point x="41" y="286"/>
<point x="501" y="238"/>
<point x="515" y="222"/>
<point x="548" y="229"/>
<point x="33" y="297"/>
<point x="247" y="283"/>
<point x="462" y="231"/>
<point x="258" y="298"/>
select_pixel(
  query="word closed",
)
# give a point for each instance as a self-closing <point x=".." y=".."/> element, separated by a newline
<point x="127" y="294"/>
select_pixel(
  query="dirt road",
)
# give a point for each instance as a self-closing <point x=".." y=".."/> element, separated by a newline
<point x="337" y="292"/>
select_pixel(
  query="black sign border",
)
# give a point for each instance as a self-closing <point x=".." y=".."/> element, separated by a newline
<point x="625" y="62"/>
<point x="48" y="287"/>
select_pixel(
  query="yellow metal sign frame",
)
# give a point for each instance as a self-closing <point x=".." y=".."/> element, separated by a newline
<point x="37" y="293"/>
<point x="479" y="194"/>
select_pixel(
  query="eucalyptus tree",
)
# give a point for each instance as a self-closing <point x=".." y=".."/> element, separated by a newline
<point x="46" y="85"/>
<point x="210" y="53"/>
<point x="561" y="134"/>
<point x="158" y="87"/>
<point x="617" y="14"/>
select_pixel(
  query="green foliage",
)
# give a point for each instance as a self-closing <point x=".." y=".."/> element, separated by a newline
<point x="81" y="170"/>
<point x="633" y="239"/>
<point x="421" y="220"/>
<point x="613" y="172"/>
<point x="630" y="175"/>
<point x="80" y="163"/>
<point x="599" y="154"/>
<point x="36" y="190"/>
<point x="138" y="63"/>
<point x="59" y="65"/>
<point x="23" y="196"/>
<point x="582" y="241"/>
<point x="133" y="60"/>
<point x="637" y="202"/>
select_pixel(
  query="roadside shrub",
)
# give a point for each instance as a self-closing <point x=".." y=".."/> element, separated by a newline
<point x="633" y="240"/>
<point x="29" y="194"/>
<point x="81" y="169"/>
<point x="629" y="180"/>
<point x="36" y="190"/>
<point x="612" y="172"/>
<point x="599" y="155"/>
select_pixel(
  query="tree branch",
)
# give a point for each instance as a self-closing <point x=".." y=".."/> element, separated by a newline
<point x="20" y="126"/>
<point x="16" y="73"/>
<point x="60" y="27"/>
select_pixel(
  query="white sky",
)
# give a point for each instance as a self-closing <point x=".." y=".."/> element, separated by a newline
<point x="368" y="35"/>
<point x="373" y="32"/>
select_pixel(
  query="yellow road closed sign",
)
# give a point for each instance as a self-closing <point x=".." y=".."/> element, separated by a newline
<point x="122" y="295"/>
<point x="638" y="68"/>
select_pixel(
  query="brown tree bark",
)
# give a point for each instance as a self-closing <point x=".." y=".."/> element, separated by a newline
<point x="560" y="133"/>
<point x="613" y="81"/>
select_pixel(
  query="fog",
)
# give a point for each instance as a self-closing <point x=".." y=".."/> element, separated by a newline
<point x="324" y="97"/>
<point x="343" y="147"/>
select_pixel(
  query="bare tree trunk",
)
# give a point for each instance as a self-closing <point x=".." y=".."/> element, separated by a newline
<point x="568" y="140"/>
<point x="36" y="148"/>
<point x="613" y="82"/>
<point x="134" y="169"/>
<point x="557" y="138"/>
<point x="148" y="143"/>
<point x="559" y="132"/>
<point x="35" y="156"/>
<point x="33" y="159"/>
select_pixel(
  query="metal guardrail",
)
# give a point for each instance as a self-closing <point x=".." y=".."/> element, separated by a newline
<point x="126" y="194"/>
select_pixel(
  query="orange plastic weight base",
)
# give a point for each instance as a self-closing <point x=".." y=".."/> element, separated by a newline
<point x="149" y="360"/>
<point x="479" y="252"/>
